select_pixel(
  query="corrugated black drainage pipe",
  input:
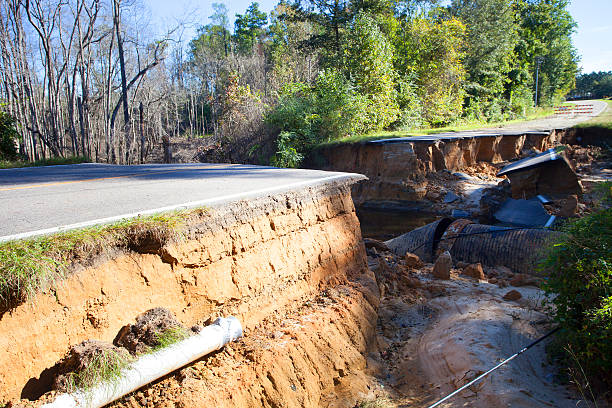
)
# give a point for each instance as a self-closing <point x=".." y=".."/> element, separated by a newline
<point x="421" y="241"/>
<point x="515" y="248"/>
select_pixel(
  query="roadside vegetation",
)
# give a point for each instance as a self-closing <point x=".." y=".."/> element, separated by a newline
<point x="596" y="85"/>
<point x="540" y="112"/>
<point x="52" y="161"/>
<point x="274" y="85"/>
<point x="580" y="289"/>
<point x="29" y="266"/>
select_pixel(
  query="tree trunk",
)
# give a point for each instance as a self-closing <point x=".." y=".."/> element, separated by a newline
<point x="142" y="135"/>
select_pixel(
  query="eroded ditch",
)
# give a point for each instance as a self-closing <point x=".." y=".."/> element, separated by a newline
<point x="328" y="323"/>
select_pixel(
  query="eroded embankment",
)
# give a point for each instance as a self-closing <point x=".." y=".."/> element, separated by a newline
<point x="248" y="259"/>
<point x="398" y="170"/>
<point x="309" y="355"/>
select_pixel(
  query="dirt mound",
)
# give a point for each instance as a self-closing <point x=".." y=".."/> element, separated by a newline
<point x="140" y="337"/>
<point x="88" y="355"/>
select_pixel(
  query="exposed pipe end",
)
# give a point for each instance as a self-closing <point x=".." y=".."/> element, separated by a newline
<point x="232" y="329"/>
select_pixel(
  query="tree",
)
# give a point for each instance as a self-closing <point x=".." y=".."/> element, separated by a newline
<point x="595" y="85"/>
<point x="369" y="61"/>
<point x="545" y="32"/>
<point x="213" y="38"/>
<point x="490" y="41"/>
<point x="429" y="54"/>
<point x="289" y="62"/>
<point x="8" y="137"/>
<point x="330" y="19"/>
<point x="248" y="27"/>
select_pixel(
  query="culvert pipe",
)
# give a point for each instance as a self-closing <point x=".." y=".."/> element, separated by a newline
<point x="150" y="367"/>
<point x="420" y="241"/>
<point x="517" y="249"/>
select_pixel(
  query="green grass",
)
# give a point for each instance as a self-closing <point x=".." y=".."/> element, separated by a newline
<point x="54" y="161"/>
<point x="106" y="366"/>
<point x="32" y="265"/>
<point x="169" y="337"/>
<point x="604" y="120"/>
<point x="460" y="126"/>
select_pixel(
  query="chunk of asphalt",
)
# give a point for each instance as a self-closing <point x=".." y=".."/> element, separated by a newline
<point x="528" y="213"/>
<point x="450" y="197"/>
<point x="463" y="176"/>
<point x="460" y="214"/>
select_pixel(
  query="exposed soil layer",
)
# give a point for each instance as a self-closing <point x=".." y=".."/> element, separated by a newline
<point x="248" y="259"/>
<point x="310" y="355"/>
<point x="399" y="171"/>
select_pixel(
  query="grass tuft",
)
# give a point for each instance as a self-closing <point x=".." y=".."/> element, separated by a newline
<point x="169" y="337"/>
<point x="105" y="367"/>
<point x="33" y="265"/>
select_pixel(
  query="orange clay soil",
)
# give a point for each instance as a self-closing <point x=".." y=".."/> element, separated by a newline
<point x="247" y="259"/>
<point x="398" y="171"/>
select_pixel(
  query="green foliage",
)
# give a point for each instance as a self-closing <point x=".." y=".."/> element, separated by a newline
<point x="492" y="34"/>
<point x="329" y="109"/>
<point x="212" y="39"/>
<point x="410" y="105"/>
<point x="339" y="109"/>
<point x="545" y="30"/>
<point x="330" y="20"/>
<point x="8" y="137"/>
<point x="287" y="154"/>
<point x="169" y="337"/>
<point x="307" y="115"/>
<point x="580" y="285"/>
<point x="340" y="69"/>
<point x="429" y="53"/>
<point x="248" y="27"/>
<point x="595" y="85"/>
<point x="31" y="265"/>
<point x="286" y="34"/>
<point x="369" y="60"/>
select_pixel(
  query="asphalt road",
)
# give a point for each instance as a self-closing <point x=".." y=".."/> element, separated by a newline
<point x="40" y="200"/>
<point x="536" y="125"/>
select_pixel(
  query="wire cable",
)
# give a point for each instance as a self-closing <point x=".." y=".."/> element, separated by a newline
<point x="483" y="375"/>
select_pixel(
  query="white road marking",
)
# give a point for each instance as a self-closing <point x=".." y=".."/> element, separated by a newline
<point x="187" y="205"/>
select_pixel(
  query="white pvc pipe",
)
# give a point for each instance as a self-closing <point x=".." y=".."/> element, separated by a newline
<point x="150" y="367"/>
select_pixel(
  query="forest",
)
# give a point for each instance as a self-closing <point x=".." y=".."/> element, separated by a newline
<point x="88" y="77"/>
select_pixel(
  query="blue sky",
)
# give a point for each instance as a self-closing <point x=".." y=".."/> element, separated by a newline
<point x="593" y="38"/>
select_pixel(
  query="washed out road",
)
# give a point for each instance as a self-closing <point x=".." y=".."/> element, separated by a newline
<point x="40" y="200"/>
<point x="536" y="125"/>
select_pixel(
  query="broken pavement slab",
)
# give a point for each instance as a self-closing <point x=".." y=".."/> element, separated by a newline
<point x="545" y="173"/>
<point x="528" y="213"/>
